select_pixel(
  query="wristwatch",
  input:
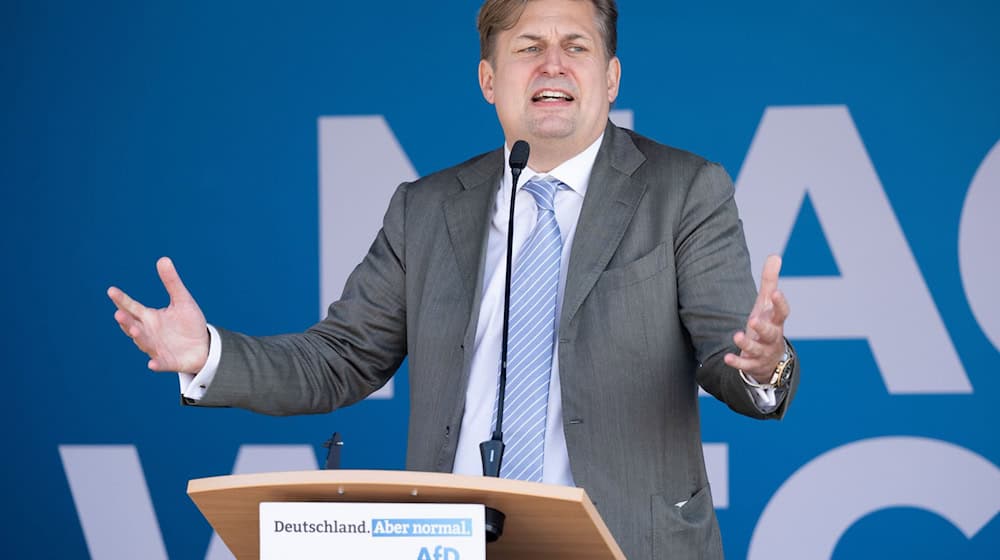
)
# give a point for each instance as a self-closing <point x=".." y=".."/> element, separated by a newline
<point x="784" y="369"/>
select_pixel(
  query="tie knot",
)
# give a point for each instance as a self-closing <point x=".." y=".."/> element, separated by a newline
<point x="543" y="189"/>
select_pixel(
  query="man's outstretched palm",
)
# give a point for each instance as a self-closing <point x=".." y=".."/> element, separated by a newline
<point x="762" y="342"/>
<point x="176" y="336"/>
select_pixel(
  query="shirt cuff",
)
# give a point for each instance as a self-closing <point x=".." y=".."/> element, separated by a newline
<point x="765" y="397"/>
<point x="194" y="385"/>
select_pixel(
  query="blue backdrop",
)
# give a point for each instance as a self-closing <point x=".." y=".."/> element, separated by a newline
<point x="133" y="130"/>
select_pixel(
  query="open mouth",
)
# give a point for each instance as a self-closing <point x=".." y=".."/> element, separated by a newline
<point x="551" y="96"/>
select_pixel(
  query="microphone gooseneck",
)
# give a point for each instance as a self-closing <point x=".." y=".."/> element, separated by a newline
<point x="491" y="450"/>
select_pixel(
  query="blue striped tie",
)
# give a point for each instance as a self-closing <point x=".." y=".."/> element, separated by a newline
<point x="534" y="286"/>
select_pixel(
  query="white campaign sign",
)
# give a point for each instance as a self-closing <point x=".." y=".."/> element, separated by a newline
<point x="308" y="531"/>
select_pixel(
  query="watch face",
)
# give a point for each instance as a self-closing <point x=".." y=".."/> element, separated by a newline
<point x="782" y="372"/>
<point x="786" y="370"/>
<point x="778" y="375"/>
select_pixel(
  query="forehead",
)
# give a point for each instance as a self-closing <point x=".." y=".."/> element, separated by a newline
<point x="562" y="17"/>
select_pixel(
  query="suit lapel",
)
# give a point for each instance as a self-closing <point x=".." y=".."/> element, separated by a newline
<point x="467" y="215"/>
<point x="612" y="198"/>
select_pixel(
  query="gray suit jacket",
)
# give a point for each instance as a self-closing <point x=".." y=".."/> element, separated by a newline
<point x="658" y="281"/>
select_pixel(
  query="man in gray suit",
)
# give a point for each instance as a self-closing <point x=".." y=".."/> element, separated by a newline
<point x="655" y="297"/>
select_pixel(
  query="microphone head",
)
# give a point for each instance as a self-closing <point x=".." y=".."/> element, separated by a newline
<point x="519" y="155"/>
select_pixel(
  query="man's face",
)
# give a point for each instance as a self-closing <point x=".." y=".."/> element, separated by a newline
<point x="550" y="78"/>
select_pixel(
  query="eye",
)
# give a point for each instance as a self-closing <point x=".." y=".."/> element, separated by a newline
<point x="531" y="49"/>
<point x="576" y="49"/>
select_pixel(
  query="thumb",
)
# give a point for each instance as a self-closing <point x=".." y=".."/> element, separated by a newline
<point x="172" y="281"/>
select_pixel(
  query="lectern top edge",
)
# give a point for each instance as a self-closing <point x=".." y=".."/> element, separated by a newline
<point x="425" y="480"/>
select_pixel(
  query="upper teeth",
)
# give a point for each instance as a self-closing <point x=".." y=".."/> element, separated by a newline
<point x="550" y="93"/>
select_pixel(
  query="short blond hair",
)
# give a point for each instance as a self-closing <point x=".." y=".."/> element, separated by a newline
<point x="500" y="15"/>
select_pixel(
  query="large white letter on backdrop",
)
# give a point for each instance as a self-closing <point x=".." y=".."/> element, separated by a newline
<point x="813" y="509"/>
<point x="880" y="295"/>
<point x="113" y="503"/>
<point x="259" y="459"/>
<point x="360" y="165"/>
<point x="979" y="246"/>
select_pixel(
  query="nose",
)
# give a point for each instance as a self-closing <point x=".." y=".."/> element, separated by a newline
<point x="553" y="63"/>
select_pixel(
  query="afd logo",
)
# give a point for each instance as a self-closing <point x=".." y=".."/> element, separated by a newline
<point x="439" y="553"/>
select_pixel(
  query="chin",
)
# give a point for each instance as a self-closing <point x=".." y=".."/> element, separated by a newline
<point x="552" y="128"/>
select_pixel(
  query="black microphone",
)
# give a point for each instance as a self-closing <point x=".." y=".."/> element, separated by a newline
<point x="491" y="450"/>
<point x="333" y="445"/>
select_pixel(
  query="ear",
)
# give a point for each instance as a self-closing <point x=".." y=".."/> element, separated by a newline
<point x="486" y="80"/>
<point x="614" y="78"/>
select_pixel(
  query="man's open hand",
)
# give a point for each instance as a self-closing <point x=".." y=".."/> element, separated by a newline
<point x="175" y="337"/>
<point x="762" y="343"/>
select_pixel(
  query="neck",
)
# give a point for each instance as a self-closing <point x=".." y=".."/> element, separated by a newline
<point x="546" y="156"/>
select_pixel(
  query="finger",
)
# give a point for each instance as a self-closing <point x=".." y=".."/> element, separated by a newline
<point x="124" y="329"/>
<point x="750" y="348"/>
<point x="125" y="320"/>
<point x="125" y="303"/>
<point x="769" y="278"/>
<point x="743" y="363"/>
<point x="764" y="331"/>
<point x="161" y="363"/>
<point x="134" y="330"/>
<point x="781" y="307"/>
<point x="139" y="343"/>
<point x="172" y="281"/>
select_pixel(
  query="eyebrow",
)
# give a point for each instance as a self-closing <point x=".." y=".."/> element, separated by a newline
<point x="569" y="37"/>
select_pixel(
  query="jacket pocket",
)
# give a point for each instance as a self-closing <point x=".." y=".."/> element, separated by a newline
<point x="686" y="529"/>
<point x="636" y="271"/>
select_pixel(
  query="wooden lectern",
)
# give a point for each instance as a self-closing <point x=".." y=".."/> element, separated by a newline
<point x="543" y="520"/>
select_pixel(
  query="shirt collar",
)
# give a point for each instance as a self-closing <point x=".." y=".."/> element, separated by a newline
<point x="574" y="172"/>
